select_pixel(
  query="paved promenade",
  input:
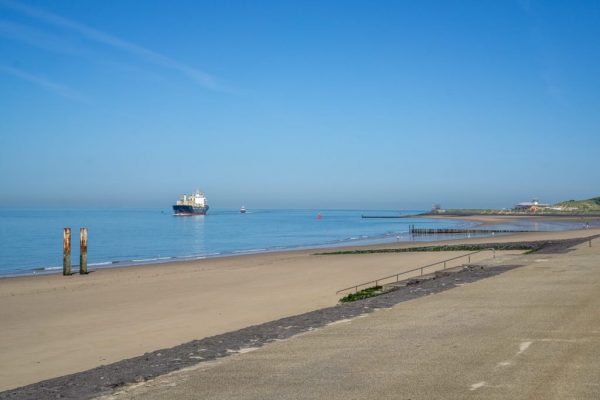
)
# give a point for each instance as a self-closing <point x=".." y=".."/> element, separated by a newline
<point x="529" y="333"/>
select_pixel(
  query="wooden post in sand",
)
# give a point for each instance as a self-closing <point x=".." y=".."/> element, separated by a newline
<point x="67" y="251"/>
<point x="83" y="251"/>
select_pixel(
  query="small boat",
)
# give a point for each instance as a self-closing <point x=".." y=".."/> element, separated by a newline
<point x="243" y="210"/>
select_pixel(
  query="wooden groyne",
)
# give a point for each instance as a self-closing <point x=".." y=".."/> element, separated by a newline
<point x="83" y="247"/>
<point x="444" y="231"/>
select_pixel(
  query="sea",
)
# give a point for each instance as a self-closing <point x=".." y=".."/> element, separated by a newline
<point x="31" y="239"/>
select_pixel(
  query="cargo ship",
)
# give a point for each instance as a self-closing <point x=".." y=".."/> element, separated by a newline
<point x="191" y="204"/>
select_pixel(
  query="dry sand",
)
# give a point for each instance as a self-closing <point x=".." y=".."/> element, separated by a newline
<point x="55" y="325"/>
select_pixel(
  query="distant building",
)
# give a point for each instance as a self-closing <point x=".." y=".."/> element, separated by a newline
<point x="436" y="209"/>
<point x="532" y="205"/>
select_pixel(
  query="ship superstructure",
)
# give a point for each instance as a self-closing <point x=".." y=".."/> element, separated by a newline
<point x="191" y="204"/>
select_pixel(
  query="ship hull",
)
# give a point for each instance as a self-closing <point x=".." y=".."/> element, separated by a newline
<point x="189" y="210"/>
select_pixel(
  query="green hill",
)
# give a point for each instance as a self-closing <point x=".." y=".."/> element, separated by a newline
<point x="582" y="205"/>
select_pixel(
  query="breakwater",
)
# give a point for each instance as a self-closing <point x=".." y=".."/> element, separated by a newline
<point x="453" y="231"/>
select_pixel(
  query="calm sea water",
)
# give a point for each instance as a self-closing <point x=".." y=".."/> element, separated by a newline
<point x="31" y="240"/>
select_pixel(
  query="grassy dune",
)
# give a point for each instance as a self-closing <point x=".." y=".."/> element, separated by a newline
<point x="592" y="204"/>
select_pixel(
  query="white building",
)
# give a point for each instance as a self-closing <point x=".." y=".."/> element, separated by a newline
<point x="531" y="205"/>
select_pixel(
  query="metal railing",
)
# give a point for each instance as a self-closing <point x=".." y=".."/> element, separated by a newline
<point x="397" y="276"/>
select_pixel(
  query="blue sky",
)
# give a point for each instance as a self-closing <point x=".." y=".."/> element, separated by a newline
<point x="306" y="104"/>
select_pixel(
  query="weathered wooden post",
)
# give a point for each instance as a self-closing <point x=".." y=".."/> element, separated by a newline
<point x="67" y="251"/>
<point x="83" y="251"/>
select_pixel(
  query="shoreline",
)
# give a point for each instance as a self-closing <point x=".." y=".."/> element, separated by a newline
<point x="479" y="220"/>
<point x="107" y="265"/>
<point x="383" y="239"/>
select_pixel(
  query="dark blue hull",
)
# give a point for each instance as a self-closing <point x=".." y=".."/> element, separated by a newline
<point x="190" y="210"/>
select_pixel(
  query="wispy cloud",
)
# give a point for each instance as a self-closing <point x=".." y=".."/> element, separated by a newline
<point x="200" y="77"/>
<point x="57" y="44"/>
<point x="55" y="87"/>
<point x="39" y="39"/>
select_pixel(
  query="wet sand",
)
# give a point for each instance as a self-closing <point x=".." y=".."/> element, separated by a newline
<point x="55" y="325"/>
<point x="505" y="219"/>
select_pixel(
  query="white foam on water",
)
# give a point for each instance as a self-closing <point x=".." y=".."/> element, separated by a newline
<point x="249" y="251"/>
<point x="100" y="264"/>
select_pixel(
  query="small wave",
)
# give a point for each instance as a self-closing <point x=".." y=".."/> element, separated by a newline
<point x="190" y="257"/>
<point x="145" y="259"/>
<point x="47" y="268"/>
<point x="101" y="263"/>
<point x="248" y="251"/>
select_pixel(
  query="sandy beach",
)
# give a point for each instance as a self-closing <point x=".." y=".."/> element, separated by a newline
<point x="54" y="325"/>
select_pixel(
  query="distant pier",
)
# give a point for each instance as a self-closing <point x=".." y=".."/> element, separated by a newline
<point x="387" y="216"/>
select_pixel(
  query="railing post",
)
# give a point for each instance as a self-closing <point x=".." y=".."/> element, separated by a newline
<point x="67" y="251"/>
<point x="83" y="251"/>
<point x="590" y="242"/>
<point x="421" y="271"/>
<point x="469" y="259"/>
<point x="444" y="264"/>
